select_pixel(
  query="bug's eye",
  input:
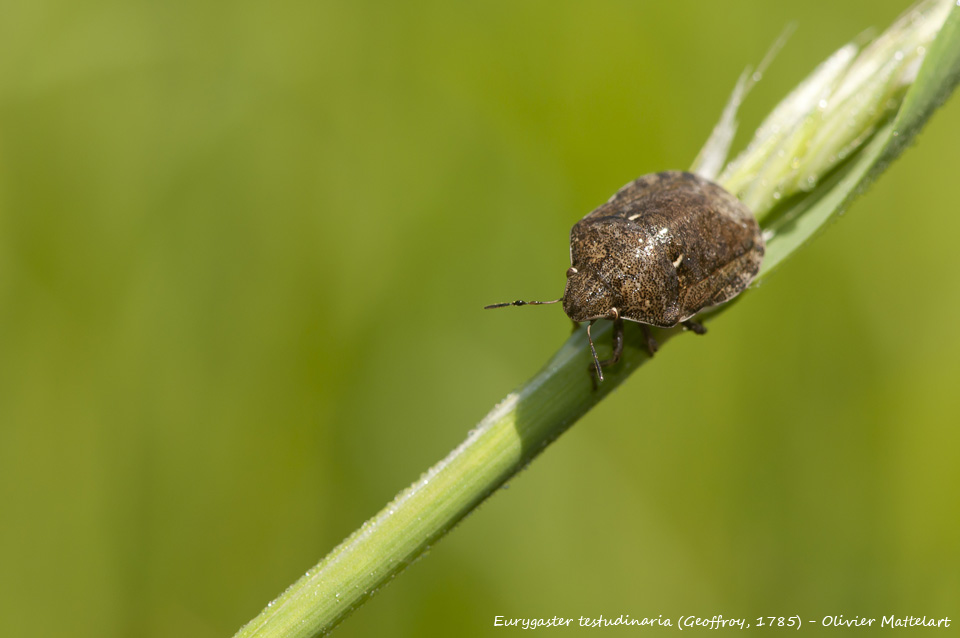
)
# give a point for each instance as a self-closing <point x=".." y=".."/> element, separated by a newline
<point x="571" y="271"/>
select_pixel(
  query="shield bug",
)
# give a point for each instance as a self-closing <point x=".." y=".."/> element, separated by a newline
<point x="663" y="248"/>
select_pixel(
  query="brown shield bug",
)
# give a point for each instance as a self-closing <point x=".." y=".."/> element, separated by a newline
<point x="663" y="248"/>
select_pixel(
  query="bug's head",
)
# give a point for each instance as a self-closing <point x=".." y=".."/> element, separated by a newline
<point x="586" y="297"/>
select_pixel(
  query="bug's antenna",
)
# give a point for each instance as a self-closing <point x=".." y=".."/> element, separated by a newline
<point x="519" y="303"/>
<point x="593" y="351"/>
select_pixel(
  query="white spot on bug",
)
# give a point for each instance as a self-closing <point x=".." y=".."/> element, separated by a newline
<point x="633" y="217"/>
<point x="662" y="238"/>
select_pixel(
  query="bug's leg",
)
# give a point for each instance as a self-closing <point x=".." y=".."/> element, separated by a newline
<point x="617" y="344"/>
<point x="652" y="345"/>
<point x="695" y="326"/>
<point x="614" y="358"/>
<point x="596" y="370"/>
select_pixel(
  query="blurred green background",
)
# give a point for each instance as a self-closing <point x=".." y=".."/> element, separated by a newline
<point x="243" y="253"/>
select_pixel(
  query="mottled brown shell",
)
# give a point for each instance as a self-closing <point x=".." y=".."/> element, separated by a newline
<point x="666" y="246"/>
